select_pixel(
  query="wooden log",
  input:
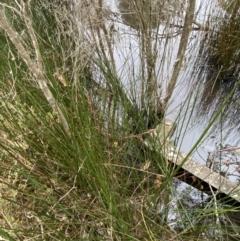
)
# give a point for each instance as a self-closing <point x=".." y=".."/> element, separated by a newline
<point x="188" y="169"/>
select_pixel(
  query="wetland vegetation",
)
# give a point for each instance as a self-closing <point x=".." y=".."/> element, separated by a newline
<point x="82" y="85"/>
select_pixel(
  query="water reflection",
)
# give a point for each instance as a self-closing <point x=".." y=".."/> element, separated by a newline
<point x="147" y="13"/>
<point x="145" y="57"/>
<point x="216" y="64"/>
<point x="219" y="63"/>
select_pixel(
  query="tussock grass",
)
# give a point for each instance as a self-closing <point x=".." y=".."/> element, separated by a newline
<point x="73" y="162"/>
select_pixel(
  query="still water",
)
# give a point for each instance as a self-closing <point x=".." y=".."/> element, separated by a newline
<point x="127" y="56"/>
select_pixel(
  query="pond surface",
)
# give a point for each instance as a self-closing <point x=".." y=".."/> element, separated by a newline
<point x="127" y="55"/>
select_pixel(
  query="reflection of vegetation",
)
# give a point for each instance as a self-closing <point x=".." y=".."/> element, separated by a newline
<point x="144" y="16"/>
<point x="141" y="13"/>
<point x="220" y="62"/>
<point x="229" y="6"/>
<point x="147" y="14"/>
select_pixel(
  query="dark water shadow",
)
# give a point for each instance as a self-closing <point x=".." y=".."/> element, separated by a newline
<point x="218" y="66"/>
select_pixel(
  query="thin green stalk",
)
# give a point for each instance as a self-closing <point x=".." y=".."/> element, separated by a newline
<point x="216" y="115"/>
